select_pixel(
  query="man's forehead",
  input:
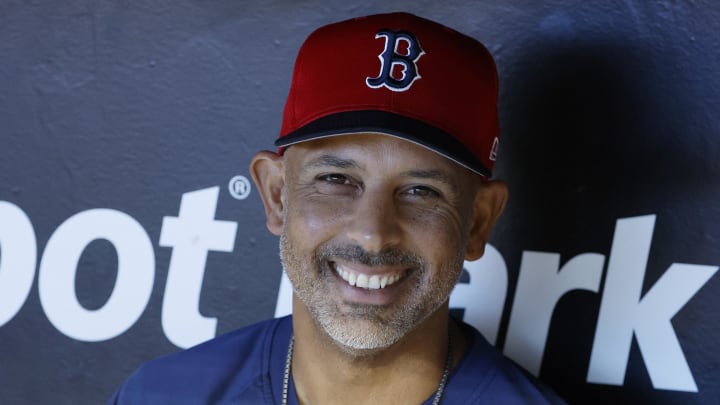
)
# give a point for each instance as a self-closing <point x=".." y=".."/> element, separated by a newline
<point x="373" y="151"/>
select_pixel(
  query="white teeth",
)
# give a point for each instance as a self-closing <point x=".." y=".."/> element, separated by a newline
<point x="374" y="283"/>
<point x="352" y="278"/>
<point x="383" y="281"/>
<point x="363" y="281"/>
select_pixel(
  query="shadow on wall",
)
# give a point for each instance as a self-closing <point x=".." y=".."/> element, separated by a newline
<point x="593" y="132"/>
<point x="598" y="125"/>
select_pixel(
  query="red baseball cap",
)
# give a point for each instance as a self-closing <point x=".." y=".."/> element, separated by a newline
<point x="401" y="75"/>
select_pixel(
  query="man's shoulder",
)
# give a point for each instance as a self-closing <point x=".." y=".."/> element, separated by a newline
<point x="211" y="372"/>
<point x="239" y="346"/>
<point x="488" y="376"/>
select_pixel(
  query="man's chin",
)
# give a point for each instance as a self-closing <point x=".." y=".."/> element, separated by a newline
<point x="363" y="337"/>
<point x="359" y="354"/>
<point x="361" y="349"/>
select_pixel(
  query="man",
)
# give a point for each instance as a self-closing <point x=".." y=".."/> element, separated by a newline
<point x="379" y="192"/>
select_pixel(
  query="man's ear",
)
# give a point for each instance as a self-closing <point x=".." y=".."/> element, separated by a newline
<point x="490" y="201"/>
<point x="267" y="171"/>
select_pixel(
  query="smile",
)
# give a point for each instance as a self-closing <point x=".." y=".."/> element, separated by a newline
<point x="373" y="282"/>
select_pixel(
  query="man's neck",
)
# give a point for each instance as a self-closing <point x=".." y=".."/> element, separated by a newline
<point x="407" y="372"/>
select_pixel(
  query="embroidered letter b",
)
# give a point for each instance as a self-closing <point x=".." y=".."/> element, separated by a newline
<point x="398" y="61"/>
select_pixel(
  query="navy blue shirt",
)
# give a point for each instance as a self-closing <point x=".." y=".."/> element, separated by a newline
<point x="247" y="367"/>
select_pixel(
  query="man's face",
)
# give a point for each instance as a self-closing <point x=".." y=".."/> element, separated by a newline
<point x="374" y="234"/>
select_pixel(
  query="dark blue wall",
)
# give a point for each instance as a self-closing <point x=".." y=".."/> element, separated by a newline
<point x="609" y="112"/>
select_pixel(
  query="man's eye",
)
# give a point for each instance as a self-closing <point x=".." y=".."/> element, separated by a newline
<point x="334" y="178"/>
<point x="422" y="191"/>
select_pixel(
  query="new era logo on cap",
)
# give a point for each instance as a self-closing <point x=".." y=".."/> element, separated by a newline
<point x="400" y="75"/>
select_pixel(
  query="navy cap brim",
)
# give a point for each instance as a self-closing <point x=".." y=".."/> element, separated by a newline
<point x="383" y="122"/>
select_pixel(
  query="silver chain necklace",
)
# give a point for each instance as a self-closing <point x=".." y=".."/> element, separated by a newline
<point x="438" y="393"/>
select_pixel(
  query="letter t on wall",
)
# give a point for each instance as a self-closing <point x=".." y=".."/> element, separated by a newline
<point x="191" y="234"/>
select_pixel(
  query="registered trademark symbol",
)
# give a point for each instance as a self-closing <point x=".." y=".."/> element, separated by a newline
<point x="239" y="187"/>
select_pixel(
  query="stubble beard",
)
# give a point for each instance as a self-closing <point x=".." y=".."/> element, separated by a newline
<point x="362" y="329"/>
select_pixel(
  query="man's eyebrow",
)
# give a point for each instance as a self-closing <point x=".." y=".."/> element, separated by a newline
<point x="437" y="175"/>
<point x="332" y="161"/>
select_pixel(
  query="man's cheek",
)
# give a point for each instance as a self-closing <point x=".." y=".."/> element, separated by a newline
<point x="319" y="219"/>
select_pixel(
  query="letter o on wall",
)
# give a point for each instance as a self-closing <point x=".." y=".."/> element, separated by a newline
<point x="135" y="275"/>
<point x="17" y="259"/>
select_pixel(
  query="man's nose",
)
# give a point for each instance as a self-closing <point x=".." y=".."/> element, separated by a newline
<point x="375" y="223"/>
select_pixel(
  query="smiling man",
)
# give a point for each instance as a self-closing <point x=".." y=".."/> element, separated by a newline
<point x="379" y="191"/>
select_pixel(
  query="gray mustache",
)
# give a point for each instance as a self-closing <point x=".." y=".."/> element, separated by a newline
<point x="356" y="254"/>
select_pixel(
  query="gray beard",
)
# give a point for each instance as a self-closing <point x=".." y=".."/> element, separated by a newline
<point x="362" y="329"/>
